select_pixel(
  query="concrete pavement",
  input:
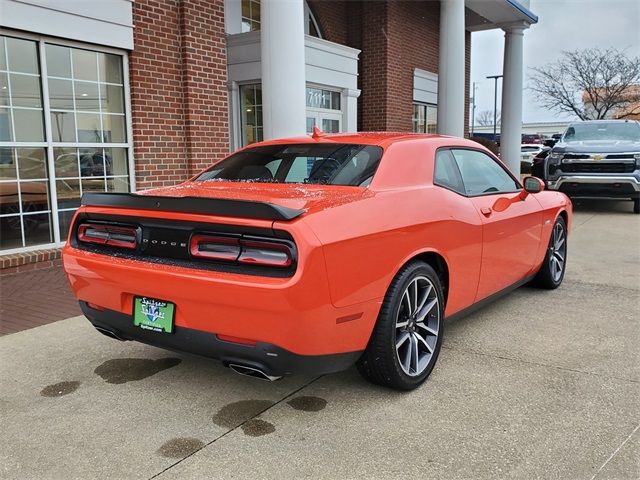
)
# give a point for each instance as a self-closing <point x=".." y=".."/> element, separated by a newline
<point x="537" y="385"/>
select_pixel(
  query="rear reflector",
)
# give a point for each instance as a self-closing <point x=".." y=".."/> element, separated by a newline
<point x="241" y="341"/>
<point x="110" y="235"/>
<point x="261" y="252"/>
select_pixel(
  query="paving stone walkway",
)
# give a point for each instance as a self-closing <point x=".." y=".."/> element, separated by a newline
<point x="35" y="298"/>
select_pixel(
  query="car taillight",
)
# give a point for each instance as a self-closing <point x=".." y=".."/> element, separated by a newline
<point x="265" y="253"/>
<point x="248" y="251"/>
<point x="110" y="235"/>
<point x="226" y="249"/>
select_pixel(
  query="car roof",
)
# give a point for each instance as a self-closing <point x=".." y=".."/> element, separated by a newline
<point x="382" y="139"/>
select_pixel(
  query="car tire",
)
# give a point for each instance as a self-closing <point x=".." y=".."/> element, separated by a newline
<point x="636" y="205"/>
<point x="553" y="267"/>
<point x="407" y="336"/>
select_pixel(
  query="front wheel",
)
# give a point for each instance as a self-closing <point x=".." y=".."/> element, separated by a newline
<point x="406" y="339"/>
<point x="551" y="272"/>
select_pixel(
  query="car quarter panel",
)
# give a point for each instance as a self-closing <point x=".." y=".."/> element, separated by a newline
<point x="367" y="242"/>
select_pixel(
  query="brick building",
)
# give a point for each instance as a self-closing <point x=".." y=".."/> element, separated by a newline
<point x="122" y="95"/>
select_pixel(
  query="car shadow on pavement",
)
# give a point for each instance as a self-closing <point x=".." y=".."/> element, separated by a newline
<point x="602" y="205"/>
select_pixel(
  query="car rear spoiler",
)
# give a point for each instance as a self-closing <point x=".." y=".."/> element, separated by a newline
<point x="207" y="206"/>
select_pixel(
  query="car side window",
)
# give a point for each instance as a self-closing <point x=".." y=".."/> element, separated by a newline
<point x="481" y="174"/>
<point x="446" y="173"/>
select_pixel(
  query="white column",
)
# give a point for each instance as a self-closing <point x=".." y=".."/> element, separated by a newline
<point x="233" y="16"/>
<point x="512" y="85"/>
<point x="283" y="68"/>
<point x="350" y="109"/>
<point x="451" y="92"/>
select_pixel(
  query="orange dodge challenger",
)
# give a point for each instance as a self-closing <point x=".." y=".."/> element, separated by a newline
<point x="311" y="254"/>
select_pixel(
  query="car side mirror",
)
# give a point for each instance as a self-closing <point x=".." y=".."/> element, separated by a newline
<point x="533" y="185"/>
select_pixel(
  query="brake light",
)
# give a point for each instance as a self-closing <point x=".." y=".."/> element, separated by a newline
<point x="226" y="249"/>
<point x="110" y="235"/>
<point x="247" y="251"/>
<point x="265" y="253"/>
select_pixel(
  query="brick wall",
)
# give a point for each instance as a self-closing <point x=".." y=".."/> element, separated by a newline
<point x="178" y="88"/>
<point x="395" y="37"/>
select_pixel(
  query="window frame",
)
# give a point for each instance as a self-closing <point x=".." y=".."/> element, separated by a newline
<point x="49" y="145"/>
<point x="450" y="148"/>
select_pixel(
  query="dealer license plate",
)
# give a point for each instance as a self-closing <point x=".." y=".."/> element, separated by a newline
<point x="153" y="314"/>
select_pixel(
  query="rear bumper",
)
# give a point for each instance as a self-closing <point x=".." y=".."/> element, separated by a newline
<point x="606" y="186"/>
<point x="294" y="313"/>
<point x="271" y="359"/>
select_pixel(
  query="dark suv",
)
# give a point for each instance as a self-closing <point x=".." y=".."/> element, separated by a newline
<point x="599" y="158"/>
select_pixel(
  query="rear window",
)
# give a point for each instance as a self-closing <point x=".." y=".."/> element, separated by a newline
<point x="323" y="164"/>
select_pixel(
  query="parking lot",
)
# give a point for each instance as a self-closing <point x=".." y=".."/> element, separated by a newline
<point x="540" y="384"/>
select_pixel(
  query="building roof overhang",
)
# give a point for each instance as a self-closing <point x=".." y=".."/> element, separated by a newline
<point x="491" y="14"/>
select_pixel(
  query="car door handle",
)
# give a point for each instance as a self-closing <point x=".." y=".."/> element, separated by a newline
<point x="486" y="211"/>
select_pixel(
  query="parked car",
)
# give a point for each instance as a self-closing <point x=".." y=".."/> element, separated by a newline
<point x="527" y="152"/>
<point x="599" y="158"/>
<point x="310" y="254"/>
<point x="538" y="163"/>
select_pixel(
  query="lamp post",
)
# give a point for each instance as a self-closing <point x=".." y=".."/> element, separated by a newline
<point x="495" y="102"/>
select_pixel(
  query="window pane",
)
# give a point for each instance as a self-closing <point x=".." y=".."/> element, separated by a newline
<point x="32" y="163"/>
<point x="37" y="229"/>
<point x="85" y="65"/>
<point x="64" y="220"/>
<point x="63" y="127"/>
<point x="110" y="68"/>
<point x="432" y="118"/>
<point x="60" y="94"/>
<point x="330" y="126"/>
<point x="116" y="161"/>
<point x="10" y="230"/>
<point x="25" y="91"/>
<point x="446" y="172"/>
<point x="89" y="130"/>
<point x="22" y="55"/>
<point x="95" y="184"/>
<point x="58" y="61"/>
<point x="9" y="195"/>
<point x="112" y="98"/>
<point x="7" y="164"/>
<point x="3" y="62"/>
<point x="28" y="125"/>
<point x="482" y="174"/>
<point x="113" y="129"/>
<point x="117" y="185"/>
<point x="68" y="193"/>
<point x="92" y="162"/>
<point x="65" y="161"/>
<point x="5" y="125"/>
<point x="4" y="88"/>
<point x="35" y="196"/>
<point x="87" y="96"/>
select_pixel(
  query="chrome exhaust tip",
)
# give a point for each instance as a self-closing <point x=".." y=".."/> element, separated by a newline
<point x="252" y="372"/>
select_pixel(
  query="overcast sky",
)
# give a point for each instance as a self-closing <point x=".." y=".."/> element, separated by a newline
<point x="562" y="25"/>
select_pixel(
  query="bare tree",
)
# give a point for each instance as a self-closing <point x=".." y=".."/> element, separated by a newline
<point x="592" y="84"/>
<point x="484" y="118"/>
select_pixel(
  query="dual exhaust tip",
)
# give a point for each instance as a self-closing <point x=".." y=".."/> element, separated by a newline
<point x="245" y="370"/>
<point x="252" y="372"/>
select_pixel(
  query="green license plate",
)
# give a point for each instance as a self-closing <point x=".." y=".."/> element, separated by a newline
<point x="153" y="314"/>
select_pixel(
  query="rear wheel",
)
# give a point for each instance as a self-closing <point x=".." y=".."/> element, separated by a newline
<point x="405" y="342"/>
<point x="552" y="271"/>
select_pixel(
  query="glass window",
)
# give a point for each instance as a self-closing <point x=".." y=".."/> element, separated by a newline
<point x="88" y="121"/>
<point x="250" y="15"/>
<point x="446" y="172"/>
<point x="425" y="118"/>
<point x="481" y="174"/>
<point x="334" y="164"/>
<point x="251" y="113"/>
<point x="320" y="98"/>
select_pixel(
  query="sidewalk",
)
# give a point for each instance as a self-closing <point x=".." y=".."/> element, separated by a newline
<point x="35" y="298"/>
